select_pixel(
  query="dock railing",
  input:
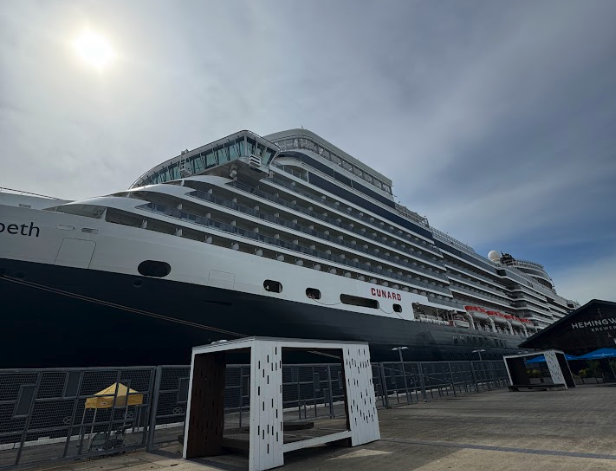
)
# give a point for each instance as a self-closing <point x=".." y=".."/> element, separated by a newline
<point x="57" y="414"/>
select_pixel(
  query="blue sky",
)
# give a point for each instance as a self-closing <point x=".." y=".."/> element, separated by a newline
<point x="495" y="119"/>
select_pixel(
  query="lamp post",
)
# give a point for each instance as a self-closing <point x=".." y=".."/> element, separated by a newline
<point x="400" y="352"/>
<point x="479" y="352"/>
<point x="406" y="389"/>
<point x="481" y="362"/>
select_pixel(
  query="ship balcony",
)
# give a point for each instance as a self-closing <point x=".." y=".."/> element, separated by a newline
<point x="258" y="237"/>
<point x="479" y="294"/>
<point x="521" y="288"/>
<point x="295" y="226"/>
<point x="466" y="272"/>
<point x="525" y="304"/>
<point x="449" y="256"/>
<point x="534" y="312"/>
<point x="434" y="261"/>
<point x="482" y="286"/>
<point x="420" y="243"/>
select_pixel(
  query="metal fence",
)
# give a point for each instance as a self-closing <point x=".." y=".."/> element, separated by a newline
<point x="54" y="414"/>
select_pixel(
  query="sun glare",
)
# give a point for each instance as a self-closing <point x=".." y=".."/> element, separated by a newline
<point x="94" y="49"/>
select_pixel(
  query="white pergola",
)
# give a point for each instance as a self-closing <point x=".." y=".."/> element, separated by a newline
<point x="205" y="413"/>
<point x="559" y="370"/>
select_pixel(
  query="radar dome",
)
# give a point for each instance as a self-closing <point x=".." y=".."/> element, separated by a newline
<point x="494" y="256"/>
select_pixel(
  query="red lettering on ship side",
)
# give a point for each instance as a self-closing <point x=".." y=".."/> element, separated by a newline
<point x="381" y="293"/>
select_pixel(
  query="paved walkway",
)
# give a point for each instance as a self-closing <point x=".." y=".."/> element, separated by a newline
<point x="499" y="430"/>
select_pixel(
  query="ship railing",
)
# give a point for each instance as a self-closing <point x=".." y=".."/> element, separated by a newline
<point x="229" y="228"/>
<point x="62" y="415"/>
<point x="522" y="278"/>
<point x="462" y="280"/>
<point x="479" y="293"/>
<point x="526" y="263"/>
<point x="412" y="215"/>
<point x="365" y="219"/>
<point x="292" y="171"/>
<point x="350" y="166"/>
<point x="316" y="215"/>
<point x="444" y="237"/>
<point x="411" y="253"/>
<point x="431" y="321"/>
<point x="298" y="227"/>
<point x="451" y="265"/>
<point x="24" y="193"/>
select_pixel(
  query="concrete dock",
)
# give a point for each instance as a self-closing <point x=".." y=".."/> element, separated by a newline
<point x="497" y="430"/>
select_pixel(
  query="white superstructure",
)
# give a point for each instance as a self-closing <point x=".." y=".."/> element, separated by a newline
<point x="287" y="217"/>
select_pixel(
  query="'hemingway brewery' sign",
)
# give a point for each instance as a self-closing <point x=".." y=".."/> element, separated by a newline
<point x="596" y="325"/>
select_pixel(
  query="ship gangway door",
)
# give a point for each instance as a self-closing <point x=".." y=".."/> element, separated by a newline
<point x="76" y="253"/>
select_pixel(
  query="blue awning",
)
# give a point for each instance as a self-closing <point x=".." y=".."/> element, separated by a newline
<point x="541" y="358"/>
<point x="598" y="354"/>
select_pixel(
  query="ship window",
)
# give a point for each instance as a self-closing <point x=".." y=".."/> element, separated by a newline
<point x="210" y="158"/>
<point x="269" y="154"/>
<point x="273" y="286"/>
<point x="251" y="146"/>
<point x="313" y="293"/>
<point x="359" y="301"/>
<point x="234" y="151"/>
<point x="154" y="268"/>
<point x="222" y="155"/>
<point x="397" y="308"/>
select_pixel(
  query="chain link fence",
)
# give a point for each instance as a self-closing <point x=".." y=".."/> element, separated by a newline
<point x="55" y="414"/>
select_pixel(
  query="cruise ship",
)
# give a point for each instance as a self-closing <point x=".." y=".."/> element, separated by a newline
<point x="284" y="235"/>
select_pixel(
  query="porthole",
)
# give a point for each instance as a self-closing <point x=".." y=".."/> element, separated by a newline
<point x="138" y="283"/>
<point x="273" y="286"/>
<point x="313" y="293"/>
<point x="154" y="268"/>
<point x="397" y="308"/>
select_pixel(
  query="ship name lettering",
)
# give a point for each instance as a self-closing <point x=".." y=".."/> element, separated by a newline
<point x="14" y="229"/>
<point x="383" y="293"/>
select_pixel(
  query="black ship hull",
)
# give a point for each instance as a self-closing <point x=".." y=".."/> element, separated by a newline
<point x="55" y="316"/>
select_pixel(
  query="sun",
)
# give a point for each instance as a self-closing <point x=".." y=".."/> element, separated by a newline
<point x="94" y="49"/>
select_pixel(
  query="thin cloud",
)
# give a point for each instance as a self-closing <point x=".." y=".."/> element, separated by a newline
<point x="594" y="280"/>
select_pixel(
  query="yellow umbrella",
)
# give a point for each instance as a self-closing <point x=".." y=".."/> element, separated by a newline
<point x="125" y="397"/>
<point x="104" y="400"/>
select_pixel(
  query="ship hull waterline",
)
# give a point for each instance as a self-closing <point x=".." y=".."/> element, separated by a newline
<point x="76" y="318"/>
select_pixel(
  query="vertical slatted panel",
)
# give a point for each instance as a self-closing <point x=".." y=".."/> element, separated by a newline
<point x="361" y="403"/>
<point x="266" y="436"/>
<point x="554" y="367"/>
